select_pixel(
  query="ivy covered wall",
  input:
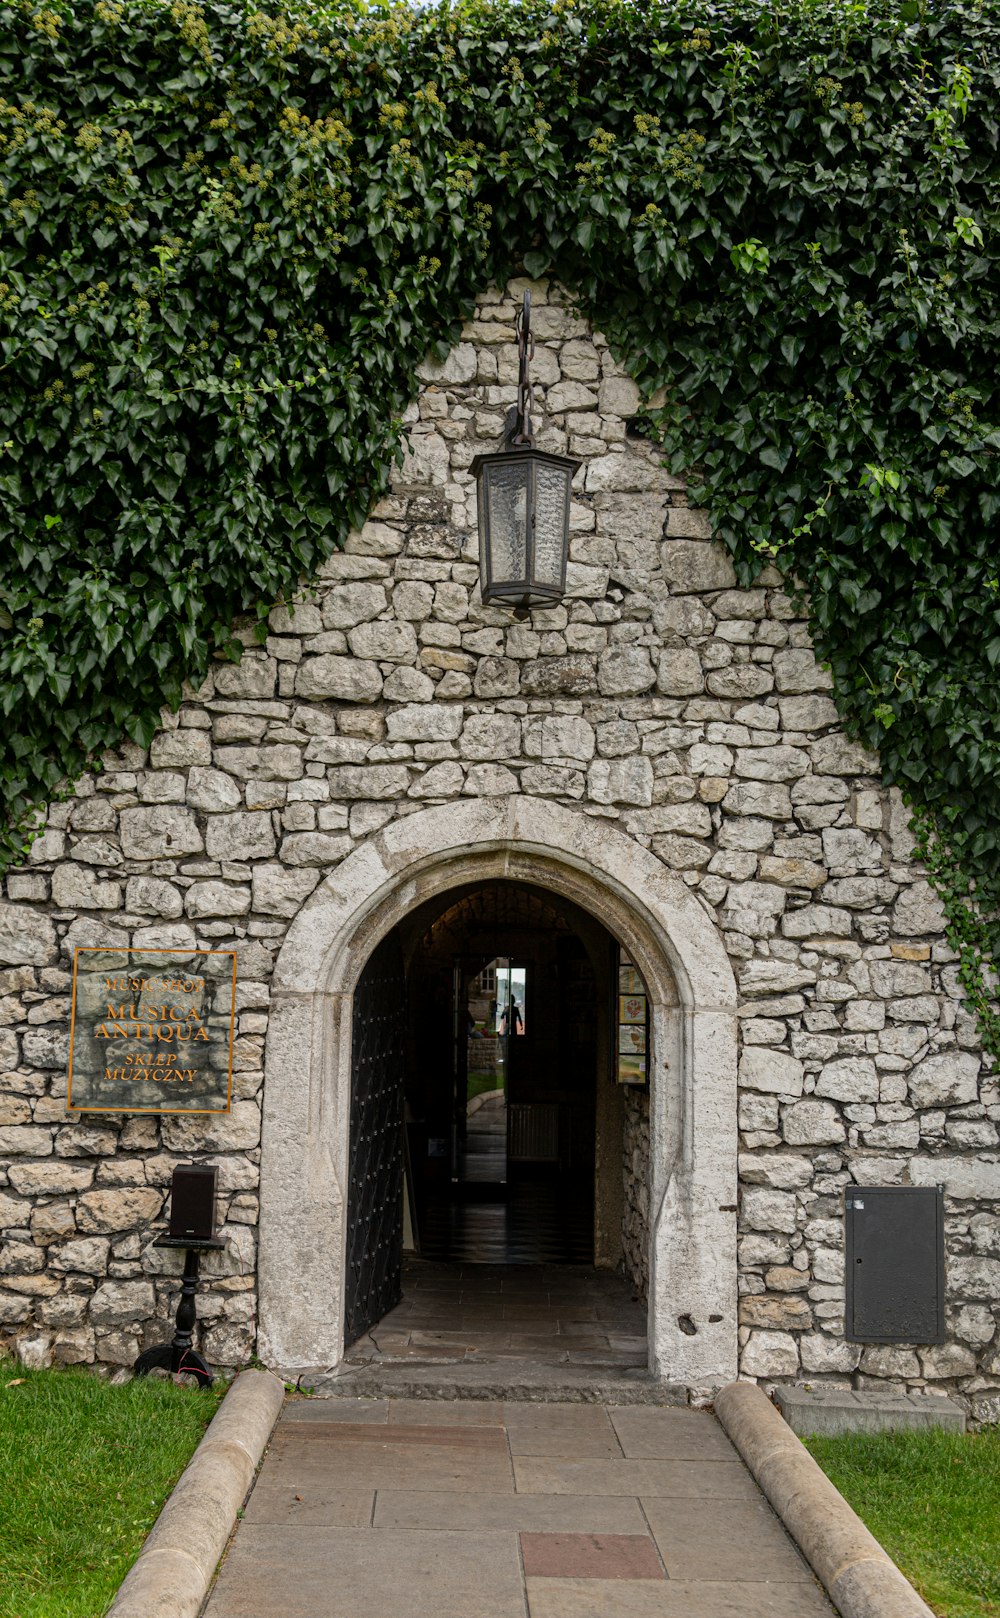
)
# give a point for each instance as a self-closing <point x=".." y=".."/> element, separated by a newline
<point x="228" y="236"/>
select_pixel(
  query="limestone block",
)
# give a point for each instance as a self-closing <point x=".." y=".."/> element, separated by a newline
<point x="692" y="565"/>
<point x="681" y="853"/>
<point x="631" y="516"/>
<point x="50" y="1179"/>
<point x="891" y="978"/>
<point x="178" y="749"/>
<point x="165" y="935"/>
<point x="98" y="1212"/>
<point x="762" y="1208"/>
<point x="315" y="848"/>
<point x="408" y="685"/>
<point x="46" y="1047"/>
<point x="917" y="911"/>
<point x="622" y="780"/>
<point x="242" y="835"/>
<point x="460" y="366"/>
<point x="778" y="763"/>
<point x="851" y="851"/>
<point x="950" y="1079"/>
<point x="679" y="672"/>
<point x="769" y="1354"/>
<point x="774" y="977"/>
<point x="740" y="681"/>
<point x="295" y="618"/>
<point x="50" y="845"/>
<point x="443" y="780"/>
<point x="622" y="473"/>
<point x="770" y="1070"/>
<point x="97" y="851"/>
<point x="120" y="1303"/>
<point x="425" y="461"/>
<point x="624" y="671"/>
<point x="783" y="1171"/>
<point x="618" y="396"/>
<point x="810" y="713"/>
<point x="384" y="642"/>
<point x="253" y="676"/>
<point x="796" y="671"/>
<point x="376" y="539"/>
<point x="347" y="605"/>
<point x="210" y="790"/>
<point x="816" y="921"/>
<point x="835" y="755"/>
<point x="348" y="679"/>
<point x="437" y="722"/>
<point x="812" y="1123"/>
<point x="75" y="887"/>
<point x="792" y="872"/>
<point x="280" y="762"/>
<point x="824" y="1353"/>
<point x="559" y="738"/>
<point x="552" y="781"/>
<point x="489" y="780"/>
<point x="236" y="1131"/>
<point x="163" y="831"/>
<point x="216" y="899"/>
<point x="27" y="937"/>
<point x="767" y="799"/>
<point x="560" y="676"/>
<point x="491" y="736"/>
<point x="411" y="599"/>
<point x="784" y="1311"/>
<point x="970" y="1178"/>
<point x="977" y="1278"/>
<point x="497" y="677"/>
<point x="375" y="781"/>
<point x="850" y="1078"/>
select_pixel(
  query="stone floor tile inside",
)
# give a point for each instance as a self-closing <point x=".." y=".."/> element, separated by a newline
<point x="425" y="1508"/>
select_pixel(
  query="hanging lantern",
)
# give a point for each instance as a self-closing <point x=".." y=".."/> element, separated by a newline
<point x="523" y="496"/>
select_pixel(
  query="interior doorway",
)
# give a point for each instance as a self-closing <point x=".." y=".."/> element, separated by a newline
<point x="504" y="1094"/>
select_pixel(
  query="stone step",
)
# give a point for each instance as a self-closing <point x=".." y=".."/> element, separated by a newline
<point x="506" y="1379"/>
<point x="829" y="1411"/>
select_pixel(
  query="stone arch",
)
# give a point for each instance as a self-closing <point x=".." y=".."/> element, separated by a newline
<point x="693" y="1084"/>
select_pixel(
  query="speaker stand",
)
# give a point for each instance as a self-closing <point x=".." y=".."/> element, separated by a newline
<point x="179" y="1355"/>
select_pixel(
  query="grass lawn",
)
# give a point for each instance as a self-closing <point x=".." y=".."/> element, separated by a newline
<point x="933" y="1500"/>
<point x="84" y="1470"/>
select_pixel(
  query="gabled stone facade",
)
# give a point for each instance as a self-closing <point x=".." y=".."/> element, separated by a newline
<point x="659" y="696"/>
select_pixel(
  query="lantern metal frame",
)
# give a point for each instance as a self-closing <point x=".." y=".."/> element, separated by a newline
<point x="519" y="448"/>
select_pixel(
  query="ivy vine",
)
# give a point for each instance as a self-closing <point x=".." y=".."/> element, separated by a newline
<point x="228" y="235"/>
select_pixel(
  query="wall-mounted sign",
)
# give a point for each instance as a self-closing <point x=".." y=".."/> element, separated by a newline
<point x="152" y="1030"/>
<point x="630" y="1055"/>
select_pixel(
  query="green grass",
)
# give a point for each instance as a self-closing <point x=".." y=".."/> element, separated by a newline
<point x="84" y="1470"/>
<point x="479" y="1083"/>
<point x="933" y="1500"/>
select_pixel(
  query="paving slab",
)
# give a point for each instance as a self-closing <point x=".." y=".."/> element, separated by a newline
<point x="590" y="1556"/>
<point x="541" y="1513"/>
<point x="326" y="1410"/>
<point x="374" y="1457"/>
<point x="565" y="1430"/>
<point x="342" y="1572"/>
<point x="673" y="1598"/>
<point x="671" y="1435"/>
<point x="737" y="1539"/>
<point x="684" y="1480"/>
<point x="310" y="1506"/>
<point x="444" y="1412"/>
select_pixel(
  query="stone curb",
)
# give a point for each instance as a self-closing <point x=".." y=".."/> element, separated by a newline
<point x="176" y="1564"/>
<point x="862" y="1581"/>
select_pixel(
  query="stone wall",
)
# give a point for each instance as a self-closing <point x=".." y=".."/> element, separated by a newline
<point x="658" y="696"/>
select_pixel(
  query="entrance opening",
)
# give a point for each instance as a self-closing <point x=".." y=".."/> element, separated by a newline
<point x="504" y="1093"/>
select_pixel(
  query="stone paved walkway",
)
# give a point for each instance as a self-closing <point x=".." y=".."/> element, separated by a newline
<point x="430" y="1509"/>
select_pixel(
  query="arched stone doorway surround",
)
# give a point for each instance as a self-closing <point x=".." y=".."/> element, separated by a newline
<point x="693" y="1084"/>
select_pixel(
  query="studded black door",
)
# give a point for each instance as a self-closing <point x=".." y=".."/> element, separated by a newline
<point x="375" y="1176"/>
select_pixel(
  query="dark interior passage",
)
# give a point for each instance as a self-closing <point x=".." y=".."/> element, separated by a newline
<point x="504" y="983"/>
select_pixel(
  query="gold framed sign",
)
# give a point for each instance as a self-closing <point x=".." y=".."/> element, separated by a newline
<point x="151" y="1030"/>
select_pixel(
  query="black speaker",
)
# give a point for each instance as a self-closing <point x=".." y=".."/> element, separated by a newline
<point x="192" y="1201"/>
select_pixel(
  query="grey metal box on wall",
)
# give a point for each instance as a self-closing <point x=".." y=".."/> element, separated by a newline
<point x="894" y="1238"/>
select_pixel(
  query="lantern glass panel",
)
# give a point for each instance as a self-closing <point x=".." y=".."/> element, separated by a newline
<point x="507" y="488"/>
<point x="551" y="501"/>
